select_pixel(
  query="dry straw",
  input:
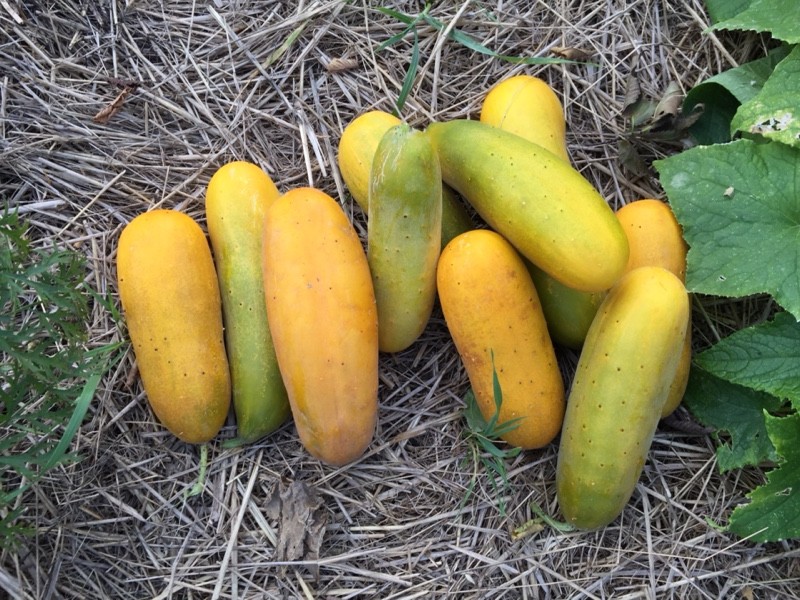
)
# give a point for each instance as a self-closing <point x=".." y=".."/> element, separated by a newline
<point x="108" y="109"/>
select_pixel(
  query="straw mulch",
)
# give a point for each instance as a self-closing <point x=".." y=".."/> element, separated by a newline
<point x="214" y="81"/>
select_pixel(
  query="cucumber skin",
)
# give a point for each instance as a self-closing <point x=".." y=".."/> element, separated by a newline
<point x="404" y="234"/>
<point x="357" y="148"/>
<point x="324" y="323"/>
<point x="237" y="199"/>
<point x="171" y="301"/>
<point x="628" y="362"/>
<point x="541" y="204"/>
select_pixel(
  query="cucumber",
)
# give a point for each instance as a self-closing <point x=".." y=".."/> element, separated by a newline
<point x="404" y="232"/>
<point x="496" y="322"/>
<point x="324" y="323"/>
<point x="624" y="373"/>
<point x="237" y="200"/>
<point x="536" y="200"/>
<point x="171" y="300"/>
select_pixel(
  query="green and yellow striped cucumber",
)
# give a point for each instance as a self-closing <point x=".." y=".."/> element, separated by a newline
<point x="536" y="200"/>
<point x="357" y="147"/>
<point x="237" y="200"/>
<point x="624" y="373"/>
<point x="404" y="233"/>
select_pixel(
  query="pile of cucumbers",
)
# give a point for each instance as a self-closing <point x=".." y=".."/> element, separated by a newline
<point x="286" y="313"/>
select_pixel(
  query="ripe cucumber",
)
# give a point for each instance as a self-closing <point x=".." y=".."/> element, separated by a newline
<point x="494" y="317"/>
<point x="404" y="234"/>
<point x="357" y="147"/>
<point x="324" y="324"/>
<point x="528" y="107"/>
<point x="171" y="301"/>
<point x="536" y="200"/>
<point x="624" y="372"/>
<point x="237" y="200"/>
<point x="655" y="238"/>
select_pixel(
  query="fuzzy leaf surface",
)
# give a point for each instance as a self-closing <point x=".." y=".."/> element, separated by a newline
<point x="764" y="357"/>
<point x="781" y="18"/>
<point x="773" y="511"/>
<point x="737" y="415"/>
<point x="739" y="206"/>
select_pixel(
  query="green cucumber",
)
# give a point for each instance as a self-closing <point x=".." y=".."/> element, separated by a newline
<point x="237" y="199"/>
<point x="404" y="231"/>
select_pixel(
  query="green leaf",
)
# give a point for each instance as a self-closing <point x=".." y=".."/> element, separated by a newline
<point x="775" y="111"/>
<point x="781" y="18"/>
<point x="719" y="10"/>
<point x="722" y="94"/>
<point x="773" y="513"/>
<point x="739" y="206"/>
<point x="764" y="357"/>
<point x="737" y="414"/>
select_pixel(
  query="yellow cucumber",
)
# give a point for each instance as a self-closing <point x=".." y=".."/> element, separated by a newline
<point x="528" y="107"/>
<point x="492" y="310"/>
<point x="324" y="324"/>
<point x="171" y="301"/>
<point x="357" y="147"/>
<point x="237" y="200"/>
<point x="655" y="238"/>
<point x="536" y="200"/>
<point x="621" y="383"/>
<point x="404" y="234"/>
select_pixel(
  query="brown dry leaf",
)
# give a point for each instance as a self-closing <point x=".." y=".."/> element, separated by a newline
<point x="301" y="521"/>
<point x="633" y="91"/>
<point x="571" y="53"/>
<point x="108" y="111"/>
<point x="670" y="104"/>
<point x="630" y="159"/>
<point x="335" y="65"/>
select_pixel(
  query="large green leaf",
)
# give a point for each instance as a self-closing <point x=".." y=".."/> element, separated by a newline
<point x="719" y="10"/>
<point x="737" y="412"/>
<point x="722" y="94"/>
<point x="773" y="513"/>
<point x="781" y="18"/>
<point x="739" y="206"/>
<point x="775" y="111"/>
<point x="765" y="357"/>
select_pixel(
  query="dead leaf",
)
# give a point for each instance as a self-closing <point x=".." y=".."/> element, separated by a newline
<point x="670" y="103"/>
<point x="570" y="53"/>
<point x="301" y="521"/>
<point x="108" y="111"/>
<point x="630" y="158"/>
<point x="336" y="65"/>
<point x="633" y="90"/>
